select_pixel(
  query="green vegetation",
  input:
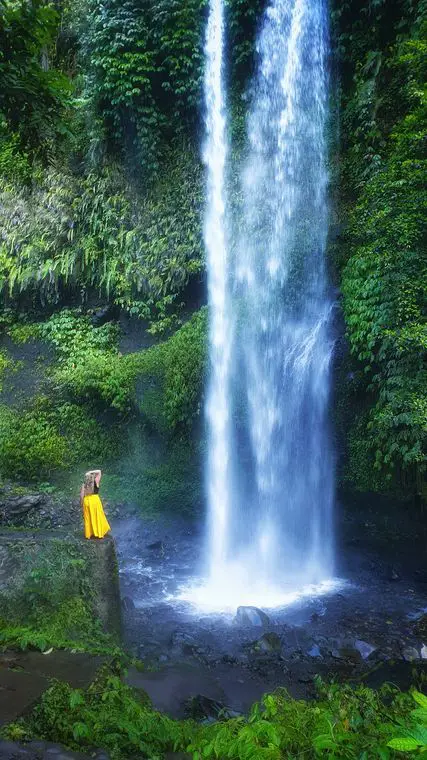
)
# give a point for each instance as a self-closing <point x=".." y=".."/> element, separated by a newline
<point x="138" y="414"/>
<point x="50" y="599"/>
<point x="383" y="271"/>
<point x="101" y="197"/>
<point x="342" y="722"/>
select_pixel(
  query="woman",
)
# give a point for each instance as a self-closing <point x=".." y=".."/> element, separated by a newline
<point x="95" y="523"/>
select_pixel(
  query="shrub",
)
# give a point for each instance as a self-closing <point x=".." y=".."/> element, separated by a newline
<point x="47" y="436"/>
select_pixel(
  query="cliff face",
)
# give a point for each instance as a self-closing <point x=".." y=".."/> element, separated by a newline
<point x="101" y="204"/>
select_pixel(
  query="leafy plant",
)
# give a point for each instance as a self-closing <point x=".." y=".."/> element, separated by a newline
<point x="414" y="739"/>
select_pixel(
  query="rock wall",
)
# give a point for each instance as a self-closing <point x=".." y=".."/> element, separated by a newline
<point x="40" y="571"/>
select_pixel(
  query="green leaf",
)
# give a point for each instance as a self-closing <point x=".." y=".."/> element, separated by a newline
<point x="403" y="745"/>
<point x="420" y="699"/>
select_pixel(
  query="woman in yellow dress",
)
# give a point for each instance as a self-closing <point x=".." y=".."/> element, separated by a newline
<point x="95" y="523"/>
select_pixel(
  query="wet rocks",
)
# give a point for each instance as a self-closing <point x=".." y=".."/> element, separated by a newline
<point x="410" y="654"/>
<point x="251" y="616"/>
<point x="14" y="509"/>
<point x="185" y="644"/>
<point x="365" y="650"/>
<point x="104" y="314"/>
<point x="208" y="710"/>
<point x="314" y="651"/>
<point x="269" y="642"/>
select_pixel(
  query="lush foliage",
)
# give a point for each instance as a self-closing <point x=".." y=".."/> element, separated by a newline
<point x="144" y="73"/>
<point x="44" y="437"/>
<point x="171" y="373"/>
<point x="33" y="93"/>
<point x="384" y="278"/>
<point x="341" y="723"/>
<point x="92" y="234"/>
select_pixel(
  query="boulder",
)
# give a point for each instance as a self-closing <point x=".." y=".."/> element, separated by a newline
<point x="314" y="651"/>
<point x="185" y="643"/>
<point x="14" y="509"/>
<point x="410" y="654"/>
<point x="251" y="616"/>
<point x="365" y="650"/>
<point x="157" y="546"/>
<point x="207" y="710"/>
<point x="269" y="642"/>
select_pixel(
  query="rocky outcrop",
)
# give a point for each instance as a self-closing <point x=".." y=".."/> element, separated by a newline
<point x="31" y="557"/>
<point x="14" y="509"/>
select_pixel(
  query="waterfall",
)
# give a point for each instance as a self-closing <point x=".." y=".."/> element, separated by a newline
<point x="281" y="286"/>
<point x="270" y="467"/>
<point x="217" y="406"/>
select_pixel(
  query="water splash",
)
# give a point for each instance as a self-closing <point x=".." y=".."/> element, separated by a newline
<point x="271" y="468"/>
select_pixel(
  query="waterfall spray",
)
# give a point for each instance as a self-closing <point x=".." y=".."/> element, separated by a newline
<point x="270" y="469"/>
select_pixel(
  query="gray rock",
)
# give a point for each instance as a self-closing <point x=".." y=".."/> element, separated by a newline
<point x="185" y="643"/>
<point x="424" y="652"/>
<point x="269" y="642"/>
<point x="365" y="650"/>
<point x="251" y="616"/>
<point x="208" y="710"/>
<point x="314" y="651"/>
<point x="410" y="654"/>
<point x="14" y="509"/>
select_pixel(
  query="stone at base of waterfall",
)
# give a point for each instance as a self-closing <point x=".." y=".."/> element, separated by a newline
<point x="269" y="642"/>
<point x="251" y="616"/>
<point x="365" y="650"/>
<point x="207" y="710"/>
<point x="410" y="654"/>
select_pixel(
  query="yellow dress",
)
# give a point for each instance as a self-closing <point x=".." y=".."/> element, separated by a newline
<point x="95" y="522"/>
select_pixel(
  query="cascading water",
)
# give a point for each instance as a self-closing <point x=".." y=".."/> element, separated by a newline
<point x="217" y="408"/>
<point x="270" y="468"/>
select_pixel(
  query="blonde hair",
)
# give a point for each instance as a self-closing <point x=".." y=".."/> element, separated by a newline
<point x="89" y="483"/>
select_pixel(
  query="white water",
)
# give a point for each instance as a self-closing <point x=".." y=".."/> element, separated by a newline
<point x="270" y="467"/>
<point x="217" y="407"/>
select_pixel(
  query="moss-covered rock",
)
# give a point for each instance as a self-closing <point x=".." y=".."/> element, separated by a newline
<point x="63" y="587"/>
